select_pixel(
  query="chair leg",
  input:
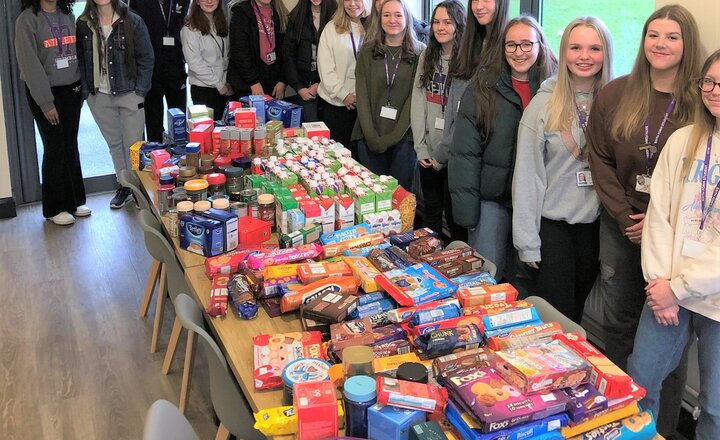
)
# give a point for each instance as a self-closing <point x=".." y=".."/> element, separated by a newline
<point x="172" y="345"/>
<point x="159" y="310"/>
<point x="150" y="287"/>
<point x="187" y="370"/>
<point x="222" y="433"/>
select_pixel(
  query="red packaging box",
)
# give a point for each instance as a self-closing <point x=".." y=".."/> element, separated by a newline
<point x="495" y="308"/>
<point x="327" y="213"/>
<point x="216" y="140"/>
<point x="158" y="159"/>
<point x="486" y="294"/>
<point x="202" y="134"/>
<point x="524" y="336"/>
<point x="317" y="410"/>
<point x="246" y="118"/>
<point x="311" y="210"/>
<point x="271" y="352"/>
<point x="411" y="395"/>
<point x="252" y="230"/>
<point x="318" y="129"/>
<point x="344" y="211"/>
<point x="607" y="377"/>
<point x="229" y="262"/>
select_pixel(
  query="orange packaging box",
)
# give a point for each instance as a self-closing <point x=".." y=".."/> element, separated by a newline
<point x="524" y="336"/>
<point x="310" y="272"/>
<point x="216" y="140"/>
<point x="495" y="308"/>
<point x="245" y="117"/>
<point x="486" y="294"/>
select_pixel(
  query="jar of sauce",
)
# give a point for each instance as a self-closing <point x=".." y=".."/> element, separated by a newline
<point x="196" y="189"/>
<point x="216" y="184"/>
<point x="266" y="209"/>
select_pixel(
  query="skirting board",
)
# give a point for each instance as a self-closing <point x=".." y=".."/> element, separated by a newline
<point x="7" y="207"/>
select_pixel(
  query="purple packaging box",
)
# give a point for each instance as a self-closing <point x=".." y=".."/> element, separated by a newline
<point x="201" y="235"/>
<point x="585" y="401"/>
<point x="289" y="114"/>
<point x="495" y="404"/>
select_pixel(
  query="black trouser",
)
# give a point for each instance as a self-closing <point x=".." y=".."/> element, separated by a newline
<point x="172" y="88"/>
<point x="210" y="97"/>
<point x="569" y="264"/>
<point x="340" y="121"/>
<point x="436" y="199"/>
<point x="62" y="182"/>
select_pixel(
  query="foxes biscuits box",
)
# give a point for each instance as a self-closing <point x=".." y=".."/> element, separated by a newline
<point x="273" y="351"/>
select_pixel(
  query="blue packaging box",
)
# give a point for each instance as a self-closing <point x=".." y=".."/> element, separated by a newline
<point x="289" y="114"/>
<point x="201" y="235"/>
<point x="260" y="104"/>
<point x="176" y="123"/>
<point x="387" y="422"/>
<point x="230" y="227"/>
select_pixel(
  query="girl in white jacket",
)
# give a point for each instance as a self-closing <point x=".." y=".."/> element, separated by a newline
<point x="681" y="258"/>
<point x="205" y="46"/>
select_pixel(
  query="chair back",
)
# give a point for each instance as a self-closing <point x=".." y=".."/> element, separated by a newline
<point x="160" y="249"/>
<point x="228" y="400"/>
<point x="548" y="313"/>
<point x="164" y="421"/>
<point x="129" y="179"/>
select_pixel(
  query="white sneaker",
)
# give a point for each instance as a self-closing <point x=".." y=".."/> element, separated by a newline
<point x="63" y="219"/>
<point x="82" y="211"/>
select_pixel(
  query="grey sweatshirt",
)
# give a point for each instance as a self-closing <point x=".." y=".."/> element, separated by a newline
<point x="457" y="89"/>
<point x="426" y="108"/>
<point x="37" y="50"/>
<point x="545" y="179"/>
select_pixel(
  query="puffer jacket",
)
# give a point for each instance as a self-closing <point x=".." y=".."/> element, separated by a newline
<point x="481" y="169"/>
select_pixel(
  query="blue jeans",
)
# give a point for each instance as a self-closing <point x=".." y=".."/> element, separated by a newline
<point x="650" y="363"/>
<point x="398" y="161"/>
<point x="491" y="235"/>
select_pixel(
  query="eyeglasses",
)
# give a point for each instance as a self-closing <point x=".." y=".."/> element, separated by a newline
<point x="707" y="85"/>
<point x="525" y="46"/>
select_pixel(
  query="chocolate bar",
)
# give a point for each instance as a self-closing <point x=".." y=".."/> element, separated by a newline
<point x="330" y="307"/>
<point x="346" y="334"/>
<point x="441" y="342"/>
<point x="424" y="246"/>
<point x="381" y="261"/>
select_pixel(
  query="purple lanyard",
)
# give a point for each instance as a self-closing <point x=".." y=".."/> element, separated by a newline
<point x="222" y="48"/>
<point x="582" y="121"/>
<point x="389" y="81"/>
<point x="355" y="48"/>
<point x="443" y="101"/>
<point x="55" y="31"/>
<point x="262" y="21"/>
<point x="703" y="188"/>
<point x="649" y="152"/>
<point x="166" y="18"/>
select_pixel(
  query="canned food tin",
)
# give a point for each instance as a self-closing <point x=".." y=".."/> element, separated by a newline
<point x="248" y="195"/>
<point x="239" y="208"/>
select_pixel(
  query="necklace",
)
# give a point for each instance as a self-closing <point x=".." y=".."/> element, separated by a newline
<point x="395" y="54"/>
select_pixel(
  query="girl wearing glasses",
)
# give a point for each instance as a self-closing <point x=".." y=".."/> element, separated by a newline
<point x="555" y="208"/>
<point x="385" y="70"/>
<point x="481" y="161"/>
<point x="631" y="119"/>
<point x="257" y="29"/>
<point x="338" y="49"/>
<point x="305" y="26"/>
<point x="205" y="46"/>
<point x="52" y="79"/>
<point x="680" y="254"/>
<point x="429" y="101"/>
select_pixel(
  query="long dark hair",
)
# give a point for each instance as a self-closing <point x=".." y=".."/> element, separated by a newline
<point x="92" y="16"/>
<point x="480" y="44"/>
<point x="197" y="20"/>
<point x="456" y="12"/>
<point x="485" y="93"/>
<point x="301" y="16"/>
<point x="65" y="6"/>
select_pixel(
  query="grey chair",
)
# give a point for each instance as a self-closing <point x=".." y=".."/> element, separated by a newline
<point x="548" y="313"/>
<point x="159" y="247"/>
<point x="164" y="422"/>
<point x="129" y="179"/>
<point x="230" y="405"/>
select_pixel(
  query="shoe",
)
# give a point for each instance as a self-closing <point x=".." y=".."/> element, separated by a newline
<point x="62" y="219"/>
<point x="82" y="211"/>
<point x="122" y="196"/>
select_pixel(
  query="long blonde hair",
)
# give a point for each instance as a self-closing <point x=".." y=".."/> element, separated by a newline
<point x="635" y="103"/>
<point x="342" y="22"/>
<point x="561" y="105"/>
<point x="704" y="122"/>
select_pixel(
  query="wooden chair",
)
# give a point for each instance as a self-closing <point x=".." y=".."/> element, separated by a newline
<point x="164" y="421"/>
<point x="228" y="400"/>
<point x="160" y="248"/>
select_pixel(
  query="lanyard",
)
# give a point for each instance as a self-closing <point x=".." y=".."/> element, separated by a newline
<point x="703" y="188"/>
<point x="222" y="48"/>
<point x="56" y="31"/>
<point x="443" y="101"/>
<point x="649" y="153"/>
<point x="390" y="80"/>
<point x="355" y="48"/>
<point x="265" y="29"/>
<point x="166" y="18"/>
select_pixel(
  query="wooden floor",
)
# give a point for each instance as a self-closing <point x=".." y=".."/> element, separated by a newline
<point x="74" y="355"/>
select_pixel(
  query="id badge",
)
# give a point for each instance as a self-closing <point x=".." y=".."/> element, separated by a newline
<point x="388" y="112"/>
<point x="313" y="66"/>
<point x="62" y="63"/>
<point x="168" y="41"/>
<point x="642" y="183"/>
<point x="439" y="123"/>
<point x="584" y="178"/>
<point x="692" y="248"/>
<point x="271" y="57"/>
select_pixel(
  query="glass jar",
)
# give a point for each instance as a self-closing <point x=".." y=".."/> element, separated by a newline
<point x="266" y="209"/>
<point x="174" y="222"/>
<point x="303" y="370"/>
<point x="192" y="155"/>
<point x="242" y="162"/>
<point x="185" y="174"/>
<point x="222" y="204"/>
<point x="239" y="208"/>
<point x="184" y="207"/>
<point x="234" y="182"/>
<point x="216" y="184"/>
<point x="201" y="206"/>
<point x="196" y="190"/>
<point x="164" y="197"/>
<point x="412" y="372"/>
<point x="167" y="180"/>
<point x="221" y="163"/>
<point x="207" y="165"/>
<point x="359" y="394"/>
